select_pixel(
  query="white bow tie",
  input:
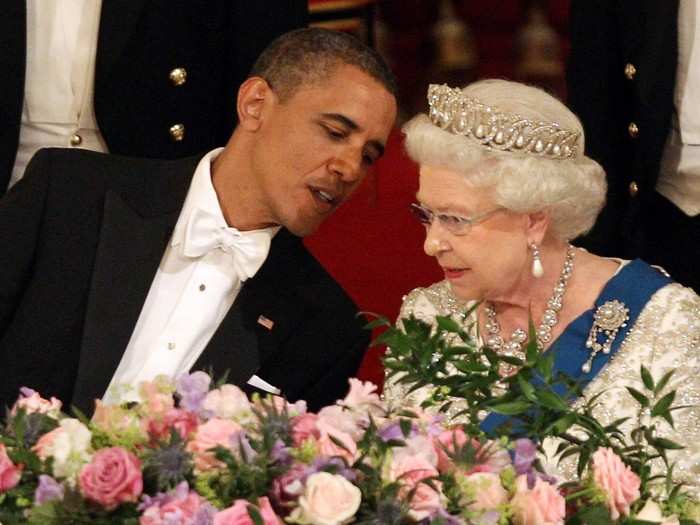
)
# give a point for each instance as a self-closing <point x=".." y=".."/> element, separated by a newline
<point x="206" y="232"/>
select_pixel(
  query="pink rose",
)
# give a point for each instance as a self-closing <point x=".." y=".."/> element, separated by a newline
<point x="10" y="473"/>
<point x="620" y="484"/>
<point x="488" y="491"/>
<point x="327" y="446"/>
<point x="237" y="514"/>
<point x="363" y="397"/>
<point x="328" y="499"/>
<point x="215" y="432"/>
<point x="541" y="505"/>
<point x="445" y="445"/>
<point x="410" y="471"/>
<point x="340" y="419"/>
<point x="112" y="477"/>
<point x="304" y="427"/>
<point x="31" y="402"/>
<point x="286" y="488"/>
<point x="184" y="422"/>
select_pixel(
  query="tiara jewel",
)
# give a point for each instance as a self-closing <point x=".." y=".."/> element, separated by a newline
<point x="452" y="111"/>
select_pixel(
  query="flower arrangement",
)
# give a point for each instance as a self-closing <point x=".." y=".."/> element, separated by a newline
<point x="196" y="452"/>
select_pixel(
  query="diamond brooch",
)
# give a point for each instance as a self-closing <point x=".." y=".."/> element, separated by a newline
<point x="607" y="321"/>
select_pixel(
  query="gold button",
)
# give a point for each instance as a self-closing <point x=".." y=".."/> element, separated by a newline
<point x="630" y="71"/>
<point x="633" y="130"/>
<point x="178" y="76"/>
<point x="177" y="132"/>
<point x="76" y="140"/>
<point x="171" y="346"/>
<point x="634" y="189"/>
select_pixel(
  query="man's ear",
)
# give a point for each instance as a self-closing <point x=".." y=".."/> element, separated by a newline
<point x="537" y="226"/>
<point x="253" y="96"/>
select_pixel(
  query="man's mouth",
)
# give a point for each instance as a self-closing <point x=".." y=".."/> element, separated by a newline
<point x="325" y="196"/>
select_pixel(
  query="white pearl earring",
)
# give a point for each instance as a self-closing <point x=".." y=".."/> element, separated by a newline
<point x="537" y="268"/>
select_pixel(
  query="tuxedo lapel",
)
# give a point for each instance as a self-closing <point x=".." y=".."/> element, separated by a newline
<point x="245" y="341"/>
<point x="128" y="256"/>
<point x="118" y="19"/>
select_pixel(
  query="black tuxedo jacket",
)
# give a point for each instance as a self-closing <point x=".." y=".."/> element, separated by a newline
<point x="139" y="43"/>
<point x="81" y="238"/>
<point x="606" y="36"/>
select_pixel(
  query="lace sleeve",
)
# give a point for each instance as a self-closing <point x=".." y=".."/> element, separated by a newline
<point x="665" y="337"/>
<point x="415" y="303"/>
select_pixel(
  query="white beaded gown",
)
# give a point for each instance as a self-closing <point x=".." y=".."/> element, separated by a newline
<point x="665" y="336"/>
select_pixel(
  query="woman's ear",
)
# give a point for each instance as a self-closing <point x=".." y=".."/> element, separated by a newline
<point x="537" y="226"/>
<point x="253" y="95"/>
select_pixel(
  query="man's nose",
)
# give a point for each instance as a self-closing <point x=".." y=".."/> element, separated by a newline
<point x="347" y="165"/>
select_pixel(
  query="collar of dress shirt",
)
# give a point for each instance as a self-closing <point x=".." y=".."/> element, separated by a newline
<point x="202" y="195"/>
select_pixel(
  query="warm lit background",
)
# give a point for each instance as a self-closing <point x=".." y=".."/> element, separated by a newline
<point x="371" y="245"/>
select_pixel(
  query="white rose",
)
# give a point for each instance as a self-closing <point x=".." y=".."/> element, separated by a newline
<point x="652" y="512"/>
<point x="228" y="402"/>
<point x="328" y="499"/>
<point x="69" y="446"/>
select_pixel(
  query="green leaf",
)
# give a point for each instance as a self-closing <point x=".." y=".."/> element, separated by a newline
<point x="663" y="381"/>
<point x="638" y="396"/>
<point x="551" y="400"/>
<point x="447" y="324"/>
<point x="527" y="388"/>
<point x="597" y="514"/>
<point x="510" y="409"/>
<point x="562" y="424"/>
<point x="255" y="515"/>
<point x="663" y="404"/>
<point x="647" y="379"/>
<point x="665" y="444"/>
<point x="406" y="427"/>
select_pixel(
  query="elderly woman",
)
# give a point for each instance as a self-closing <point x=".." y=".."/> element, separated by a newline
<point x="504" y="187"/>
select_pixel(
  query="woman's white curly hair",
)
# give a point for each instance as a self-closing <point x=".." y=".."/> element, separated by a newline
<point x="571" y="190"/>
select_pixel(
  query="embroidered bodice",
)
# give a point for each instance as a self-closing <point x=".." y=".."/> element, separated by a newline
<point x="666" y="336"/>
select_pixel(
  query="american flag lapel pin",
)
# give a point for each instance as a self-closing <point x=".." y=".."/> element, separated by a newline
<point x="267" y="323"/>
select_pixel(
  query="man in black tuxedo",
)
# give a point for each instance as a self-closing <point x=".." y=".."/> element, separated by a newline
<point x="165" y="72"/>
<point x="626" y="57"/>
<point x="102" y="253"/>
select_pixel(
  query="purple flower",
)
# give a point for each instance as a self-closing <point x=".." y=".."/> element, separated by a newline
<point x="239" y="441"/>
<point x="334" y="465"/>
<point x="48" y="490"/>
<point x="448" y="519"/>
<point x="280" y="453"/>
<point x="525" y="453"/>
<point x="392" y="431"/>
<point x="180" y="506"/>
<point x="192" y="389"/>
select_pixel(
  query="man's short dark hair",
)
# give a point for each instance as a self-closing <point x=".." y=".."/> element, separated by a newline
<point x="309" y="55"/>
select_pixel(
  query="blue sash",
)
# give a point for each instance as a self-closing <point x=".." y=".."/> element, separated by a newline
<point x="633" y="285"/>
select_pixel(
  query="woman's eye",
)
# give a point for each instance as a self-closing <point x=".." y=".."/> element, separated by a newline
<point x="451" y="220"/>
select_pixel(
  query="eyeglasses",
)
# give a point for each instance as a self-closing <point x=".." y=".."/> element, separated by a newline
<point x="454" y="224"/>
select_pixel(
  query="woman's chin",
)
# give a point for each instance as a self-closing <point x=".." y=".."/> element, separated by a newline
<point x="462" y="290"/>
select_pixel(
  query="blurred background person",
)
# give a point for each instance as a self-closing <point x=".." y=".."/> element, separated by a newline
<point x="634" y="79"/>
<point x="143" y="78"/>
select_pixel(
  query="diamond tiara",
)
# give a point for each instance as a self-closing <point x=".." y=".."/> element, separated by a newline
<point x="452" y="111"/>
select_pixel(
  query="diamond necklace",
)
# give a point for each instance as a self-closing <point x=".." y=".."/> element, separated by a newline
<point x="550" y="317"/>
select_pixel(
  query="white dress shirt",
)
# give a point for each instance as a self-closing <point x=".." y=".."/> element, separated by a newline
<point x="188" y="298"/>
<point x="59" y="81"/>
<point x="679" y="179"/>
